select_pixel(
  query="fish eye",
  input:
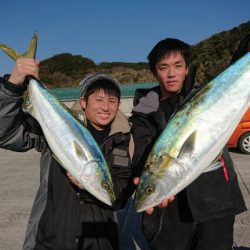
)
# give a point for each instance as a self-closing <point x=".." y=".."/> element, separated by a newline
<point x="105" y="185"/>
<point x="150" y="189"/>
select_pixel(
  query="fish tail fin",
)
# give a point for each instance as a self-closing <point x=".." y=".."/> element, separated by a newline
<point x="30" y="52"/>
<point x="10" y="52"/>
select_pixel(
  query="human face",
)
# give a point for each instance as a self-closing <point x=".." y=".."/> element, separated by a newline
<point x="100" y="108"/>
<point x="171" y="72"/>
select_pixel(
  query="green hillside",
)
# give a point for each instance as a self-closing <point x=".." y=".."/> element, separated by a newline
<point x="211" y="56"/>
<point x="214" y="54"/>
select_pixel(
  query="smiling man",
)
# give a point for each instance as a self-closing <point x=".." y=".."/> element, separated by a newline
<point x="65" y="216"/>
<point x="99" y="104"/>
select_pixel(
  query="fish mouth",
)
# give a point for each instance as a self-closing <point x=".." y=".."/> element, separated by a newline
<point x="102" y="187"/>
<point x="108" y="188"/>
<point x="142" y="203"/>
<point x="106" y="198"/>
<point x="141" y="206"/>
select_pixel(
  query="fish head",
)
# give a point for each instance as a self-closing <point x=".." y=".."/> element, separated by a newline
<point x="97" y="181"/>
<point x="93" y="173"/>
<point x="152" y="187"/>
<point x="163" y="174"/>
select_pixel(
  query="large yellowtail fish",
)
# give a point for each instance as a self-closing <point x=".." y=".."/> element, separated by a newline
<point x="195" y="136"/>
<point x="71" y="143"/>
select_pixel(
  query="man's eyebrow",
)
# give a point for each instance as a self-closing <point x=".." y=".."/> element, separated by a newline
<point x="113" y="97"/>
<point x="164" y="64"/>
<point x="178" y="62"/>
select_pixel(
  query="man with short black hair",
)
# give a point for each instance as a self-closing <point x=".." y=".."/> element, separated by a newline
<point x="201" y="217"/>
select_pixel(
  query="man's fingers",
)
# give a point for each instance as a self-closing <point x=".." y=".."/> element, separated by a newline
<point x="136" y="181"/>
<point x="24" y="67"/>
<point x="74" y="181"/>
<point x="149" y="210"/>
<point x="165" y="202"/>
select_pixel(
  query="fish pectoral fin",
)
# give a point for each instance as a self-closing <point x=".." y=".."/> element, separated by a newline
<point x="217" y="158"/>
<point x="79" y="151"/>
<point x="188" y="145"/>
<point x="215" y="164"/>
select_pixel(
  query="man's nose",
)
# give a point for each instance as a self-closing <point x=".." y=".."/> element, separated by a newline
<point x="171" y="72"/>
<point x="105" y="105"/>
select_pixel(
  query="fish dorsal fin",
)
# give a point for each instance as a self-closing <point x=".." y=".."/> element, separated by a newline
<point x="188" y="145"/>
<point x="79" y="151"/>
<point x="30" y="52"/>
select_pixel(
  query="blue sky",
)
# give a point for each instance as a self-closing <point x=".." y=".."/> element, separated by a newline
<point x="112" y="30"/>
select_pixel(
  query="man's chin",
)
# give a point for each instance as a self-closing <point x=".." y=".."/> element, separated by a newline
<point x="104" y="122"/>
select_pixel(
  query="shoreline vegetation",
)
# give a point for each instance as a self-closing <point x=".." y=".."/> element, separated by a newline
<point x="210" y="57"/>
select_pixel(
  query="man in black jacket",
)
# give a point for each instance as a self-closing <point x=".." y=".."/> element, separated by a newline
<point x="64" y="216"/>
<point x="202" y="215"/>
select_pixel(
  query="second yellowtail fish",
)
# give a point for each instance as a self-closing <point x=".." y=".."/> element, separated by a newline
<point x="195" y="135"/>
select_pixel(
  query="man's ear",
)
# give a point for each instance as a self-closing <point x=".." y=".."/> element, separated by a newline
<point x="82" y="102"/>
<point x="187" y="71"/>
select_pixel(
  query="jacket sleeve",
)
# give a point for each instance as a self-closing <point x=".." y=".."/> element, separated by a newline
<point x="144" y="133"/>
<point x="18" y="130"/>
